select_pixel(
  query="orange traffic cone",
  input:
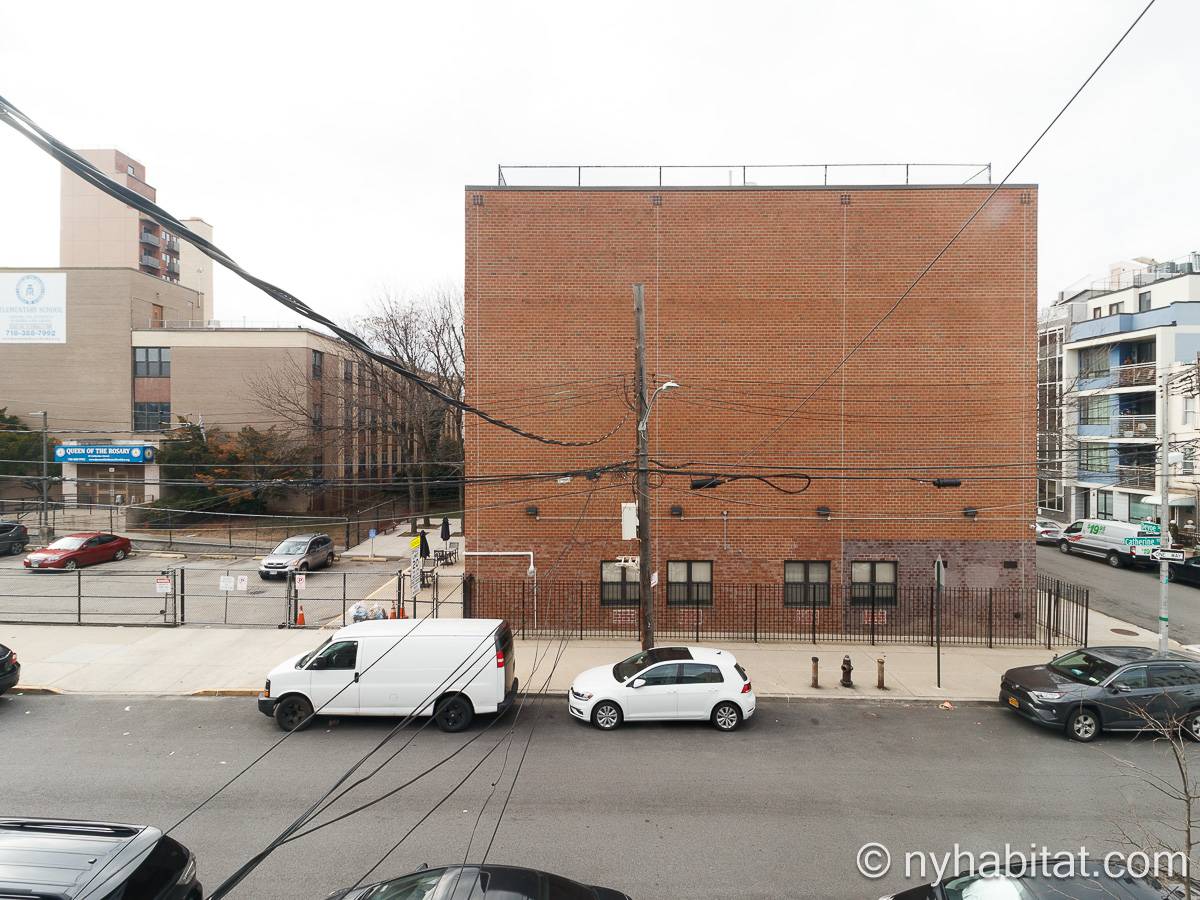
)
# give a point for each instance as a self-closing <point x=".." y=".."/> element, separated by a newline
<point x="402" y="614"/>
<point x="300" y="618"/>
<point x="392" y="612"/>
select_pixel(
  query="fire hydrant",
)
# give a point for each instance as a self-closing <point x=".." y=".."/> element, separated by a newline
<point x="847" y="671"/>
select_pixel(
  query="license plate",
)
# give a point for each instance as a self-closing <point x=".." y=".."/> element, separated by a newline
<point x="1012" y="701"/>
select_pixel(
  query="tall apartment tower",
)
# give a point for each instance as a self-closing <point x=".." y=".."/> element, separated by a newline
<point x="98" y="231"/>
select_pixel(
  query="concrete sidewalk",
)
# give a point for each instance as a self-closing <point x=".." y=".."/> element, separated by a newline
<point x="208" y="660"/>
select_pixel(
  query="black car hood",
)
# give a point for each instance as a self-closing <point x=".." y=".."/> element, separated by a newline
<point x="603" y="893"/>
<point x="1040" y="678"/>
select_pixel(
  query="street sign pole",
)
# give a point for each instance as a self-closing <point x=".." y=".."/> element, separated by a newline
<point x="1164" y="507"/>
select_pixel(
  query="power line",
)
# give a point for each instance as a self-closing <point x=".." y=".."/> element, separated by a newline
<point x="71" y="160"/>
<point x="991" y="194"/>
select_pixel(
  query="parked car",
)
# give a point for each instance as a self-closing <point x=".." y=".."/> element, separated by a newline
<point x="13" y="537"/>
<point x="69" y="859"/>
<point x="452" y="669"/>
<point x="665" y="683"/>
<point x="1186" y="572"/>
<point x="479" y="883"/>
<point x="1098" y="689"/>
<point x="1108" y="538"/>
<point x="1046" y="531"/>
<point x="10" y="669"/>
<point x="77" y="550"/>
<point x="298" y="553"/>
<point x="1044" y="886"/>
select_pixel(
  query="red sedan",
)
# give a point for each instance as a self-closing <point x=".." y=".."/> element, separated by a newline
<point x="77" y="550"/>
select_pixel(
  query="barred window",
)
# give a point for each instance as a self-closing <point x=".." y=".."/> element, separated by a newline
<point x="619" y="585"/>
<point x="806" y="583"/>
<point x="873" y="581"/>
<point x="689" y="583"/>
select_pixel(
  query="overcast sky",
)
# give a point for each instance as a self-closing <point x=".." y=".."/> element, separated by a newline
<point x="328" y="143"/>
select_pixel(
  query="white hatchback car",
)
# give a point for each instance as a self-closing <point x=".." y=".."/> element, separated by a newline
<point x="665" y="683"/>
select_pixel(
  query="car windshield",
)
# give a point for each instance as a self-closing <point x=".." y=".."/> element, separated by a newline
<point x="627" y="668"/>
<point x="291" y="548"/>
<point x="68" y="543"/>
<point x="307" y="657"/>
<point x="418" y="886"/>
<point x="1006" y="887"/>
<point x="1083" y="667"/>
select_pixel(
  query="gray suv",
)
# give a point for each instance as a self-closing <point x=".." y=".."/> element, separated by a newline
<point x="298" y="553"/>
<point x="1098" y="689"/>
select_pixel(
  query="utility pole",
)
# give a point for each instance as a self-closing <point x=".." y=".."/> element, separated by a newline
<point x="1164" y="506"/>
<point x="643" y="468"/>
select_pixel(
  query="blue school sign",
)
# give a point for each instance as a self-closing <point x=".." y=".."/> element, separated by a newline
<point x="104" y="453"/>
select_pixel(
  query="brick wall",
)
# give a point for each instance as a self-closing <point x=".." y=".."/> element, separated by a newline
<point x="752" y="298"/>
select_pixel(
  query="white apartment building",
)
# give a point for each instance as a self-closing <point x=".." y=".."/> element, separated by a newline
<point x="1120" y="338"/>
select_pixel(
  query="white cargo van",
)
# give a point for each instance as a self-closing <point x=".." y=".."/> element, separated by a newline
<point x="451" y="669"/>
<point x="1112" y="540"/>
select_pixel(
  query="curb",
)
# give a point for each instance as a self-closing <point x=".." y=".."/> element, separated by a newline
<point x="217" y="556"/>
<point x="225" y="692"/>
<point x="34" y="689"/>
<point x="163" y="554"/>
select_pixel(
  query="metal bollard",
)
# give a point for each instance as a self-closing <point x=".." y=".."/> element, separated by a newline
<point x="814" y="672"/>
<point x="847" y="671"/>
<point x="879" y="674"/>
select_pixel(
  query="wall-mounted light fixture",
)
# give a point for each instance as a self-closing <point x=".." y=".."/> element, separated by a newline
<point x="531" y="511"/>
<point x="677" y="512"/>
<point x="824" y="512"/>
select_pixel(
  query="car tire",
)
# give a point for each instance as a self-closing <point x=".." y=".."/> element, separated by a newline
<point x="1083" y="725"/>
<point x="303" y="567"/>
<point x="1190" y="728"/>
<point x="1114" y="559"/>
<point x="1064" y="547"/>
<point x="16" y="549"/>
<point x="293" y="713"/>
<point x="70" y="564"/>
<point x="118" y="556"/>
<point x="607" y="715"/>
<point x="726" y="716"/>
<point x="454" y="714"/>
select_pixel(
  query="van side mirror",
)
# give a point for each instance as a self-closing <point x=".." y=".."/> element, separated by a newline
<point x="319" y="662"/>
<point x="638" y="682"/>
<point x="1120" y="688"/>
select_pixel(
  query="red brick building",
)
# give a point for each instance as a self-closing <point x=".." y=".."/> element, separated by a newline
<point x="752" y="296"/>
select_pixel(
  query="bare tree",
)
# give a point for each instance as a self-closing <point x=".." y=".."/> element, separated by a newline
<point x="1172" y="836"/>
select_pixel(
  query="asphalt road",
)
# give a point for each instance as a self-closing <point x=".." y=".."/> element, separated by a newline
<point x="777" y="809"/>
<point x="125" y="592"/>
<point x="1128" y="594"/>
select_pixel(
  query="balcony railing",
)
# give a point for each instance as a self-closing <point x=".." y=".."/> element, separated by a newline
<point x="1136" y="476"/>
<point x="1135" y="374"/>
<point x="173" y="266"/>
<point x="151" y="239"/>
<point x="151" y="261"/>
<point x="1134" y="426"/>
<point x="172" y="244"/>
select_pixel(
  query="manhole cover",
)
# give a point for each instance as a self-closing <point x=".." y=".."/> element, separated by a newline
<point x="1124" y="631"/>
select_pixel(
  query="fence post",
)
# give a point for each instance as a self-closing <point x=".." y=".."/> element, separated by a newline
<point x="581" y="610"/>
<point x="522" y="610"/>
<point x="1087" y="610"/>
<point x="1052" y="614"/>
<point x="812" y="620"/>
<point x="78" y="597"/>
<point x="468" y="587"/>
<point x="931" y="593"/>
<point x="990" y="625"/>
<point x="183" y="596"/>
<point x="872" y="616"/>
<point x="755" y="610"/>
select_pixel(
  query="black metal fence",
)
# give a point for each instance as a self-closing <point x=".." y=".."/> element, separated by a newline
<point x="1049" y="613"/>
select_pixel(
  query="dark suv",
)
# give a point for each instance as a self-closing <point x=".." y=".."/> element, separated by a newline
<point x="1098" y="689"/>
<point x="13" y="538"/>
<point x="73" y="860"/>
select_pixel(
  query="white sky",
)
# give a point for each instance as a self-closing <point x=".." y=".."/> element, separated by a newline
<point x="328" y="143"/>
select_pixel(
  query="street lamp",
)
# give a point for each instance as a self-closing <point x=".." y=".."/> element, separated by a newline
<point x="667" y="386"/>
<point x="44" y="517"/>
